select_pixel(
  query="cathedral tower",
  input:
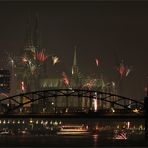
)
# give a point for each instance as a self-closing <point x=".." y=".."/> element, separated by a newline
<point x="28" y="38"/>
<point x="36" y="35"/>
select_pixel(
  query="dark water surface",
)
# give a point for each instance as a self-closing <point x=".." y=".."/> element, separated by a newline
<point x="105" y="136"/>
<point x="65" y="141"/>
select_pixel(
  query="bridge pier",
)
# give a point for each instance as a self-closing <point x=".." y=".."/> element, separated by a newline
<point x="146" y="118"/>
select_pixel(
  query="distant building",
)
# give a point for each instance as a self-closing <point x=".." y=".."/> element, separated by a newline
<point x="4" y="81"/>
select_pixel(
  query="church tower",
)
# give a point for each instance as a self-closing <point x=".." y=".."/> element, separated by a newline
<point x="32" y="42"/>
<point x="31" y="47"/>
<point x="36" y="35"/>
<point x="28" y="38"/>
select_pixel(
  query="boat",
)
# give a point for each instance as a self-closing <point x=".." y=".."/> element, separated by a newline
<point x="6" y="132"/>
<point x="73" y="130"/>
<point x="120" y="135"/>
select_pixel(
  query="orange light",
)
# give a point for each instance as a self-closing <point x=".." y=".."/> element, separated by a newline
<point x="135" y="110"/>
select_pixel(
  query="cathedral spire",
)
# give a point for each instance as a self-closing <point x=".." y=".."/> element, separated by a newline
<point x="28" y="39"/>
<point x="36" y="32"/>
<point x="74" y="66"/>
<point x="75" y="57"/>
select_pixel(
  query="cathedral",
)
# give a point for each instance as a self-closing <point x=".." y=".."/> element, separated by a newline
<point x="32" y="72"/>
<point x="32" y="69"/>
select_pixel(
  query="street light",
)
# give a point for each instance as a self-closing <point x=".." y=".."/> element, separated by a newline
<point x="4" y="122"/>
<point x="37" y="122"/>
<point x="31" y="123"/>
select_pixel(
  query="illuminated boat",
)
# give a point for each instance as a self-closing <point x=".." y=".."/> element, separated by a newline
<point x="6" y="132"/>
<point x="73" y="130"/>
<point x="120" y="136"/>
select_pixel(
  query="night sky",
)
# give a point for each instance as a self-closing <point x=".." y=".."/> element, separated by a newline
<point x="113" y="31"/>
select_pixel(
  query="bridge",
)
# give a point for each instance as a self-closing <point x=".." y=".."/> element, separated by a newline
<point x="70" y="103"/>
<point x="54" y="104"/>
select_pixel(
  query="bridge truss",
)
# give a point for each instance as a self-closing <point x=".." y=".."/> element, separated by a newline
<point x="59" y="101"/>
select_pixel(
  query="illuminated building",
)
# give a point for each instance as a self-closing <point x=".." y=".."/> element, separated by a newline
<point x="4" y="81"/>
<point x="32" y="72"/>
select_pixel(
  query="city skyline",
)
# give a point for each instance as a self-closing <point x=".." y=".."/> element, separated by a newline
<point x="112" y="31"/>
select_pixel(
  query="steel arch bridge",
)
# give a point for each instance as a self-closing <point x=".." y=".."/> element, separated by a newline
<point x="60" y="101"/>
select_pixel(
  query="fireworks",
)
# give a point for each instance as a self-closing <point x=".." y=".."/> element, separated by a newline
<point x="24" y="59"/>
<point x="97" y="61"/>
<point x="127" y="72"/>
<point x="22" y="86"/>
<point x="65" y="79"/>
<point x="35" y="64"/>
<point x="89" y="84"/>
<point x="55" y="60"/>
<point x="41" y="56"/>
<point x="123" y="70"/>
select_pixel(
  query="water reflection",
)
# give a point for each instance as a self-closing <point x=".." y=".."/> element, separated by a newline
<point x="75" y="132"/>
<point x="95" y="139"/>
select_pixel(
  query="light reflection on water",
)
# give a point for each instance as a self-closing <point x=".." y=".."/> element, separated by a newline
<point x="103" y="132"/>
<point x="95" y="140"/>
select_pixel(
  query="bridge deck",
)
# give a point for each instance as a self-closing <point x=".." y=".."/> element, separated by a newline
<point x="73" y="115"/>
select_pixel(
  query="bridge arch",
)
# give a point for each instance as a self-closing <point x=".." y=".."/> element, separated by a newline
<point x="42" y="99"/>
